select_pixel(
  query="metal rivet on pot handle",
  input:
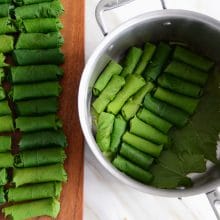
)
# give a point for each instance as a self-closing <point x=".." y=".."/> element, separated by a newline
<point x="105" y="5"/>
<point x="214" y="199"/>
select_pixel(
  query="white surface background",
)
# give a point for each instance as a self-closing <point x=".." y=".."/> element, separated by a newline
<point x="105" y="198"/>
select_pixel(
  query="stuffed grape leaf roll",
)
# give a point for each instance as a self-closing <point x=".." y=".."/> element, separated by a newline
<point x="29" y="57"/>
<point x="7" y="26"/>
<point x="2" y="64"/>
<point x="49" y="207"/>
<point x="2" y="93"/>
<point x="38" y="123"/>
<point x="2" y="195"/>
<point x="42" y="10"/>
<point x="2" y="75"/>
<point x="35" y="90"/>
<point x="166" y="111"/>
<point x="36" y="106"/>
<point x="6" y="160"/>
<point x="39" y="40"/>
<point x="3" y="177"/>
<point x="5" y="143"/>
<point x="4" y="12"/>
<point x="6" y="43"/>
<point x="35" y="73"/>
<point x="55" y="172"/>
<point x="42" y="139"/>
<point x="193" y="59"/>
<point x="39" y="157"/>
<point x="6" y="123"/>
<point x="28" y="2"/>
<point x="35" y="191"/>
<point x="40" y="25"/>
<point x="5" y="1"/>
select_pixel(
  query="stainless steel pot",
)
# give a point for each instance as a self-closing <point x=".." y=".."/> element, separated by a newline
<point x="199" y="31"/>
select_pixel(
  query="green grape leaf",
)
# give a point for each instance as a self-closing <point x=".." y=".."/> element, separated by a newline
<point x="171" y="169"/>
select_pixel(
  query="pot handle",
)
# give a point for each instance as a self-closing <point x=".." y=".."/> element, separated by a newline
<point x="105" y="5"/>
<point x="214" y="199"/>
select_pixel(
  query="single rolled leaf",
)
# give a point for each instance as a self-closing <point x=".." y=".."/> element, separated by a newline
<point x="2" y="93"/>
<point x="154" y="120"/>
<point x="133" y="104"/>
<point x="39" y="40"/>
<point x="186" y="72"/>
<point x="158" y="61"/>
<point x="135" y="156"/>
<point x="29" y="2"/>
<point x="2" y="73"/>
<point x="185" y="103"/>
<point x="180" y="86"/>
<point x="5" y="1"/>
<point x="35" y="90"/>
<point x="49" y="207"/>
<point x="132" y="85"/>
<point x="35" y="73"/>
<point x="42" y="139"/>
<point x="31" y="57"/>
<point x="108" y="93"/>
<point x="132" y="170"/>
<point x="23" y="176"/>
<point x="2" y="64"/>
<point x="117" y="132"/>
<point x="41" y="10"/>
<point x="142" y="144"/>
<point x="112" y="68"/>
<point x="130" y="61"/>
<point x="5" y="143"/>
<point x="166" y="111"/>
<point x="6" y="160"/>
<point x="6" y="123"/>
<point x="6" y="43"/>
<point x="3" y="177"/>
<point x="38" y="123"/>
<point x="4" y="108"/>
<point x="192" y="58"/>
<point x="39" y="157"/>
<point x="148" y="52"/>
<point x="148" y="132"/>
<point x="7" y="26"/>
<point x="4" y="12"/>
<point x="2" y="195"/>
<point x="40" y="25"/>
<point x="104" y="130"/>
<point x="34" y="192"/>
<point x="36" y="106"/>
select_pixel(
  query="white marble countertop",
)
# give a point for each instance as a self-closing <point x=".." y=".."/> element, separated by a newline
<point x="105" y="197"/>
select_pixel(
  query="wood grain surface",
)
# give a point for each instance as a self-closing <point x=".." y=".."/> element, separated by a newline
<point x="73" y="32"/>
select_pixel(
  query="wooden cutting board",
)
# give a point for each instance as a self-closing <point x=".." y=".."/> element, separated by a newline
<point x="73" y="32"/>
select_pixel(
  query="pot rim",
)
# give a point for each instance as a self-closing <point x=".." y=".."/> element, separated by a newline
<point x="83" y="107"/>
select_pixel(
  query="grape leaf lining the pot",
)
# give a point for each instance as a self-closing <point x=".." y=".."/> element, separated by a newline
<point x="171" y="169"/>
